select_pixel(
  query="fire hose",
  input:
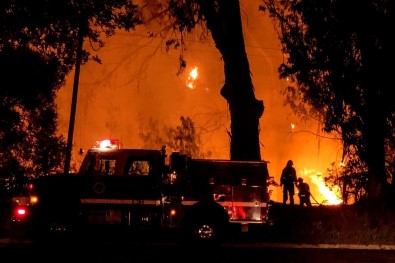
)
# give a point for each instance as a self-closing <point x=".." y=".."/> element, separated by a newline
<point x="314" y="198"/>
<point x="276" y="184"/>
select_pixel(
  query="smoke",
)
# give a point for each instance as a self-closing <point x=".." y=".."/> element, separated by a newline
<point x="138" y="80"/>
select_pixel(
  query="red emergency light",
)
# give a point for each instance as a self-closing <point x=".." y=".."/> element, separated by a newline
<point x="108" y="144"/>
<point x="20" y="212"/>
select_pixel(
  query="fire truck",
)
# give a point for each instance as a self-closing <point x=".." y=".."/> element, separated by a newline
<point x="140" y="190"/>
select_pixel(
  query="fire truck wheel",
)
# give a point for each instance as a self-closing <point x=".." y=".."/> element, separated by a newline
<point x="205" y="223"/>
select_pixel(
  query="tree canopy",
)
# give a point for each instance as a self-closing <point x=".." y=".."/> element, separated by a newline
<point x="336" y="64"/>
<point x="38" y="42"/>
<point x="183" y="138"/>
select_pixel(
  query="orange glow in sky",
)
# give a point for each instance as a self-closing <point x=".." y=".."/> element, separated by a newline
<point x="137" y="80"/>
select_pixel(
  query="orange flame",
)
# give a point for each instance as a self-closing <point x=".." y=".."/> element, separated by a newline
<point x="327" y="195"/>
<point x="192" y="78"/>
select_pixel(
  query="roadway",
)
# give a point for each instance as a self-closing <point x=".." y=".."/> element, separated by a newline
<point x="23" y="250"/>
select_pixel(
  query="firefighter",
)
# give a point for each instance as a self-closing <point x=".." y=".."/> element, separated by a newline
<point x="303" y="192"/>
<point x="288" y="181"/>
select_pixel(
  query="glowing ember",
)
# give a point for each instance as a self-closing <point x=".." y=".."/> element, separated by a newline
<point x="292" y="126"/>
<point x="192" y="78"/>
<point x="327" y="195"/>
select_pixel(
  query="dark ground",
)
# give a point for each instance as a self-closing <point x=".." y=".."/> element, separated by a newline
<point x="295" y="225"/>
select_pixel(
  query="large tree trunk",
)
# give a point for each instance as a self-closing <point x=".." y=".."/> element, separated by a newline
<point x="375" y="158"/>
<point x="225" y="26"/>
<point x="375" y="122"/>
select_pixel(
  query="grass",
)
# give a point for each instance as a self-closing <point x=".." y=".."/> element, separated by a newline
<point x="352" y="224"/>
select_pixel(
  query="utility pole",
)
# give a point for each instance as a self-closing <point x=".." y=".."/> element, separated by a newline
<point x="74" y="101"/>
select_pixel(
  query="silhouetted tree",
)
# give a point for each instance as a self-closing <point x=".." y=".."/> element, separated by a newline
<point x="336" y="61"/>
<point x="38" y="42"/>
<point x="223" y="20"/>
<point x="29" y="144"/>
<point x="183" y="138"/>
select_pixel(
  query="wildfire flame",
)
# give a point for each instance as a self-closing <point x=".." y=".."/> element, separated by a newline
<point x="327" y="195"/>
<point x="192" y="78"/>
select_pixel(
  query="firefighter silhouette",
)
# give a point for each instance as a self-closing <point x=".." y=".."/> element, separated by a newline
<point x="288" y="181"/>
<point x="303" y="192"/>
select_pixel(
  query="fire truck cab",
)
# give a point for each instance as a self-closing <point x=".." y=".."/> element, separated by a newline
<point x="136" y="190"/>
